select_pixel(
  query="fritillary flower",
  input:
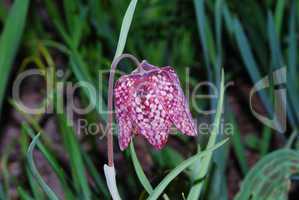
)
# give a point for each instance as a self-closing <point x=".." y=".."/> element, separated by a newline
<point x="148" y="102"/>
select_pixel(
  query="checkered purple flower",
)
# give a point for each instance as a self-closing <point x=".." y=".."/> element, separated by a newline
<point x="148" y="102"/>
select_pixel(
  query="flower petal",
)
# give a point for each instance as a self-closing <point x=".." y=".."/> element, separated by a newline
<point x="125" y="133"/>
<point x="122" y="94"/>
<point x="177" y="105"/>
<point x="156" y="137"/>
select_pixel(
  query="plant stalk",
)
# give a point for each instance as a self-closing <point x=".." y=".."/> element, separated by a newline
<point x="110" y="103"/>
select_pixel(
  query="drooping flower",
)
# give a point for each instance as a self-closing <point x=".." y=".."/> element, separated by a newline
<point x="148" y="102"/>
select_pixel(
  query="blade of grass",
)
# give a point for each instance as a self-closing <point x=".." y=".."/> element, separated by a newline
<point x="23" y="194"/>
<point x="57" y="21"/>
<point x="80" y="70"/>
<point x="201" y="23"/>
<point x="176" y="171"/>
<point x="2" y="193"/>
<point x="139" y="171"/>
<point x="72" y="147"/>
<point x="49" y="156"/>
<point x="216" y="187"/>
<point x="279" y="10"/>
<point x="249" y="61"/>
<point x="292" y="62"/>
<point x="10" y="40"/>
<point x="125" y="27"/>
<point x="292" y="42"/>
<point x="238" y="146"/>
<point x="35" y="189"/>
<point x="100" y="183"/>
<point x="277" y="62"/>
<point x="196" y="188"/>
<point x="48" y="191"/>
<point x="266" y="140"/>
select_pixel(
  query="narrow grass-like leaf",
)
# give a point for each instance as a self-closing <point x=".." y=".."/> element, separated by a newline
<point x="279" y="11"/>
<point x="23" y="194"/>
<point x="201" y="23"/>
<point x="292" y="62"/>
<point x="82" y="74"/>
<point x="217" y="187"/>
<point x="249" y="61"/>
<point x="57" y="21"/>
<point x="10" y="40"/>
<point x="265" y="141"/>
<point x="207" y="42"/>
<point x="125" y="27"/>
<point x="277" y="60"/>
<point x="92" y="170"/>
<point x="138" y="169"/>
<point x="292" y="42"/>
<point x="205" y="162"/>
<point x="2" y="194"/>
<point x="49" y="192"/>
<point x="75" y="156"/>
<point x="176" y="171"/>
<point x="238" y="146"/>
<point x="49" y="156"/>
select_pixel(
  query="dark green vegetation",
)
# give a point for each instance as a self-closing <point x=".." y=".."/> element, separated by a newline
<point x="249" y="39"/>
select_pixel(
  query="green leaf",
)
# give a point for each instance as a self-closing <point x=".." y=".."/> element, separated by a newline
<point x="10" y="40"/>
<point x="269" y="178"/>
<point x="279" y="10"/>
<point x="2" y="193"/>
<point x="49" y="156"/>
<point x="139" y="171"/>
<point x="181" y="167"/>
<point x="49" y="192"/>
<point x="57" y="20"/>
<point x="277" y="60"/>
<point x="125" y="27"/>
<point x="249" y="62"/>
<point x="238" y="146"/>
<point x="76" y="161"/>
<point x="265" y="141"/>
<point x="94" y="172"/>
<point x="23" y="194"/>
<point x="292" y="63"/>
<point x="196" y="189"/>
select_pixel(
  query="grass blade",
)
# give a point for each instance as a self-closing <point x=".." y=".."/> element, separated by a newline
<point x="176" y="171"/>
<point x="9" y="41"/>
<point x="75" y="156"/>
<point x="125" y="27"/>
<point x="196" y="189"/>
<point x="49" y="192"/>
<point x="279" y="10"/>
<point x="52" y="161"/>
<point x="23" y="194"/>
<point x="100" y="183"/>
<point x="138" y="169"/>
<point x="292" y="62"/>
<point x="2" y="194"/>
<point x="249" y="61"/>
<point x="238" y="146"/>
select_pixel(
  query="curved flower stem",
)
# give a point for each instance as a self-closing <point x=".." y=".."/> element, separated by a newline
<point x="110" y="102"/>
